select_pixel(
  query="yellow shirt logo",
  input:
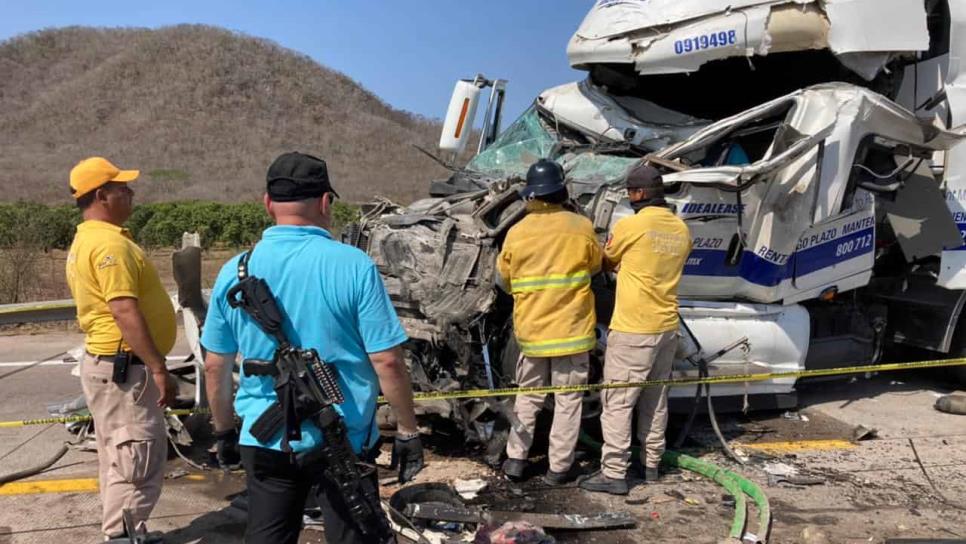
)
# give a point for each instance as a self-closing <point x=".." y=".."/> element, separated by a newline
<point x="107" y="261"/>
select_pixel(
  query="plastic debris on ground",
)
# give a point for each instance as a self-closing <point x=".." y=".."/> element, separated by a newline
<point x="512" y="532"/>
<point x="469" y="489"/>
<point x="175" y="474"/>
<point x="861" y="432"/>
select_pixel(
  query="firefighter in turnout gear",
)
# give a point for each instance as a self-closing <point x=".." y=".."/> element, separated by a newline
<point x="546" y="263"/>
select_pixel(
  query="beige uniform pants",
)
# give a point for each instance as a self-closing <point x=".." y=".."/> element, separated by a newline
<point x="132" y="442"/>
<point x="635" y="358"/>
<point x="543" y="371"/>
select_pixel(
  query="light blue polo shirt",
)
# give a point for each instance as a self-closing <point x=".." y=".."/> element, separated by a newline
<point x="335" y="298"/>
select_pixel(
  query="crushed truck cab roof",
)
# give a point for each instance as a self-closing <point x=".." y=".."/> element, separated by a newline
<point x="674" y="36"/>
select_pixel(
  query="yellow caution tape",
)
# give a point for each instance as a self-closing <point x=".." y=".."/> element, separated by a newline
<point x="72" y="419"/>
<point x="679" y="382"/>
<point x="550" y="389"/>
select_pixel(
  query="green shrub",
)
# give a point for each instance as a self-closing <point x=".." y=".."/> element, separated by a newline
<point x="152" y="225"/>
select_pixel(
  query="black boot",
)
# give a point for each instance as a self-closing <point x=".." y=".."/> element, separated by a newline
<point x="513" y="469"/>
<point x="597" y="482"/>
<point x="560" y="478"/>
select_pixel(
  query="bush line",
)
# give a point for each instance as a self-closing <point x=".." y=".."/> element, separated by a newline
<point x="155" y="225"/>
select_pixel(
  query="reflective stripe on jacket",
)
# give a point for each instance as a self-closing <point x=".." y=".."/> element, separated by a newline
<point x="547" y="261"/>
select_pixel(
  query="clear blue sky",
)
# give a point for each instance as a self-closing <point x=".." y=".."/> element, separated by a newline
<point x="409" y="53"/>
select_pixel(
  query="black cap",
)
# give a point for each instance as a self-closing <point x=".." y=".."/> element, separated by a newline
<point x="643" y="176"/>
<point x="297" y="176"/>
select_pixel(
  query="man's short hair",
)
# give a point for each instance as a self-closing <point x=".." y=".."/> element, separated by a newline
<point x="86" y="200"/>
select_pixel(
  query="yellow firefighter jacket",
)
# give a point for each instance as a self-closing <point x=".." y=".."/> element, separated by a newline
<point x="546" y="264"/>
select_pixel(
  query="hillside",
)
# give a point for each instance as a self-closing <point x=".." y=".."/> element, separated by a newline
<point x="200" y="110"/>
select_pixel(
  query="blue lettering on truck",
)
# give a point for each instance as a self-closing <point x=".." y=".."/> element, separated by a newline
<point x="710" y="208"/>
<point x="711" y="40"/>
<point x="767" y="267"/>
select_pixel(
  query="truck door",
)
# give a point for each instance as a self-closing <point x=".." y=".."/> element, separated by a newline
<point x="837" y="253"/>
<point x="952" y="271"/>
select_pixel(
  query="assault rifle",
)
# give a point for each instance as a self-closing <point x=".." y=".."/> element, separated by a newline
<point x="307" y="389"/>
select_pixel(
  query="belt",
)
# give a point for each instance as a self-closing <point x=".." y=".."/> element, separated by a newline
<point x="135" y="360"/>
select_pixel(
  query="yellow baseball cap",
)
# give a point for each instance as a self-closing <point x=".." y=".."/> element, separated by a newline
<point x="93" y="172"/>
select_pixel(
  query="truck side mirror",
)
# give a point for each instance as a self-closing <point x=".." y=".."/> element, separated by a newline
<point x="458" y="125"/>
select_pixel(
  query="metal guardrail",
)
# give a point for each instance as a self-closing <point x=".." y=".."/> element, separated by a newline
<point x="54" y="310"/>
<point x="38" y="312"/>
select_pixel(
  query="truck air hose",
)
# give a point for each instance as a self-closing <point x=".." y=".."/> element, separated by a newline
<point x="736" y="485"/>
<point x="12" y="477"/>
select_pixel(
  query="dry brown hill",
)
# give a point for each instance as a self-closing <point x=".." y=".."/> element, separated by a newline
<point x="200" y="110"/>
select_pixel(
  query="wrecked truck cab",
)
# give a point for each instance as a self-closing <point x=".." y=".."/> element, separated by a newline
<point x="792" y="215"/>
<point x="822" y="227"/>
<point x="712" y="59"/>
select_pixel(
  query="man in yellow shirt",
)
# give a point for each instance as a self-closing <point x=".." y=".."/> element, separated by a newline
<point x="547" y="261"/>
<point x="648" y="250"/>
<point x="129" y="326"/>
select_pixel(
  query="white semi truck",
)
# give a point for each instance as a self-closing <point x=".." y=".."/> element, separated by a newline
<point x="810" y="145"/>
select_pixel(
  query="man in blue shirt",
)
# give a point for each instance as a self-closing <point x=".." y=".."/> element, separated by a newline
<point x="332" y="299"/>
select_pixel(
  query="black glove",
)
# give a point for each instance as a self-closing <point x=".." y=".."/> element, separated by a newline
<point x="227" y="448"/>
<point x="407" y="454"/>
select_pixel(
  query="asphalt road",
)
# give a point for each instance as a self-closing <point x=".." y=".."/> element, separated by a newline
<point x="907" y="481"/>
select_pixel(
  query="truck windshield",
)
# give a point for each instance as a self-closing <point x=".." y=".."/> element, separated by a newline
<point x="520" y="145"/>
<point x="527" y="140"/>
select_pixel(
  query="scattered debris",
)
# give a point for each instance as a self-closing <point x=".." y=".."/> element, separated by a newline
<point x="662" y="498"/>
<point x="437" y="511"/>
<point x="779" y="473"/>
<point x="862" y="432"/>
<point x="469" y="489"/>
<point x="512" y="532"/>
<point x="175" y="474"/>
<point x="814" y="535"/>
<point x="952" y="404"/>
<point x="795" y="416"/>
<point x="779" y="469"/>
<point x="675" y="493"/>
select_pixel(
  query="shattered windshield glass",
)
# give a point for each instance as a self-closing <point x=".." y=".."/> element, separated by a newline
<point x="526" y="140"/>
<point x="520" y="145"/>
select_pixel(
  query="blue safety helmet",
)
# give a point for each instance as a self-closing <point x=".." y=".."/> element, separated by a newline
<point x="545" y="177"/>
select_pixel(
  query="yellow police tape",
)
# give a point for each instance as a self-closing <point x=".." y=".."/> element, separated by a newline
<point x="679" y="382"/>
<point x="73" y="419"/>
<point x="514" y="391"/>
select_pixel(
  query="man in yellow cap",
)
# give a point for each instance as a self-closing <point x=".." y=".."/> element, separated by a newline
<point x="129" y="327"/>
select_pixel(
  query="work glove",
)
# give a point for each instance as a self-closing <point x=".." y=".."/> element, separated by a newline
<point x="407" y="454"/>
<point x="227" y="448"/>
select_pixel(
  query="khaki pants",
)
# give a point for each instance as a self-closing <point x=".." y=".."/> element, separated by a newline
<point x="635" y="358"/>
<point x="543" y="371"/>
<point x="132" y="442"/>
